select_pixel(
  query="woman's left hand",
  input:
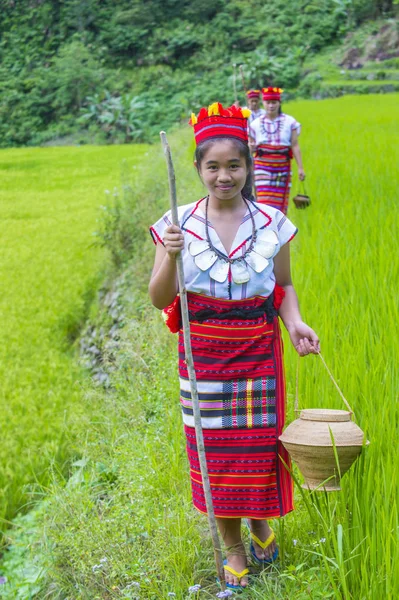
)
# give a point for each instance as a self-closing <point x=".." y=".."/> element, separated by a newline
<point x="301" y="174"/>
<point x="304" y="339"/>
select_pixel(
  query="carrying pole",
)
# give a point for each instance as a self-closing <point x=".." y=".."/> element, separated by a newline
<point x="191" y="372"/>
<point x="235" y="82"/>
<point x="243" y="79"/>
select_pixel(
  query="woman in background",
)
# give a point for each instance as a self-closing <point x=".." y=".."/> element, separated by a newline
<point x="273" y="138"/>
<point x="253" y="101"/>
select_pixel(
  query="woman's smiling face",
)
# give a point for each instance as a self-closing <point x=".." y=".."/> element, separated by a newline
<point x="223" y="170"/>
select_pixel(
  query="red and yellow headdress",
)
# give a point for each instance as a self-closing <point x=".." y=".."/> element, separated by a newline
<point x="272" y="93"/>
<point x="216" y="121"/>
<point x="253" y="93"/>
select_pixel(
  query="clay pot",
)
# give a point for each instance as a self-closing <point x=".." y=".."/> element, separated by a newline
<point x="301" y="201"/>
<point x="308" y="440"/>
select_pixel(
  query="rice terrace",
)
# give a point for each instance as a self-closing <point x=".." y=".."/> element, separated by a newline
<point x="98" y="473"/>
<point x="334" y="545"/>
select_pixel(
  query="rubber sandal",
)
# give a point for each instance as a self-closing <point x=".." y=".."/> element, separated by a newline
<point x="263" y="545"/>
<point x="230" y="586"/>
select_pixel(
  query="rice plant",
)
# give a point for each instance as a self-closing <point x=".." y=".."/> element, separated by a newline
<point x="50" y="269"/>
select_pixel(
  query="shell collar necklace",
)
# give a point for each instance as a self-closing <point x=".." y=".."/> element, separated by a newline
<point x="261" y="247"/>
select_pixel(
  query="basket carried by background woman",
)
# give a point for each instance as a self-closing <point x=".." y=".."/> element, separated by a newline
<point x="301" y="200"/>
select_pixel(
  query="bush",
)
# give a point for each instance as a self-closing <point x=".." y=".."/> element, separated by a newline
<point x="75" y="74"/>
<point x="381" y="75"/>
<point x="120" y="117"/>
<point x="310" y="85"/>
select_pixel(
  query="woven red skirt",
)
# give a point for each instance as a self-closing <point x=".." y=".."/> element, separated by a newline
<point x="272" y="173"/>
<point x="241" y="389"/>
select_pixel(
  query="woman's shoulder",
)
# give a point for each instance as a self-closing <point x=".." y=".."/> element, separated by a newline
<point x="289" y="119"/>
<point x="183" y="211"/>
<point x="267" y="217"/>
<point x="257" y="121"/>
<point x="271" y="214"/>
<point x="187" y="209"/>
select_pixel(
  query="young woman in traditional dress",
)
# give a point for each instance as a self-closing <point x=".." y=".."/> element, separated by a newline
<point x="274" y="139"/>
<point x="253" y="101"/>
<point x="237" y="275"/>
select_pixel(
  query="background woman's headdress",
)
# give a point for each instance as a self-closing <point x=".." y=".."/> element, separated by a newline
<point x="272" y="93"/>
<point x="216" y="121"/>
<point x="253" y="93"/>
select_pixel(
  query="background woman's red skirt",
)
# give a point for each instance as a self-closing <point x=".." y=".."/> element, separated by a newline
<point x="272" y="173"/>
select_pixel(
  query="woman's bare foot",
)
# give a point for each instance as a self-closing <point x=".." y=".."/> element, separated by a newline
<point x="261" y="529"/>
<point x="230" y="530"/>
<point x="237" y="561"/>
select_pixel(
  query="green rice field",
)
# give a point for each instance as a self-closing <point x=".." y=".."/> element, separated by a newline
<point x="49" y="272"/>
<point x="124" y="527"/>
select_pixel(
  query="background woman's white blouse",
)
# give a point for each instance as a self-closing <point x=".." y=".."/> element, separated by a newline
<point x="275" y="132"/>
<point x="192" y="223"/>
<point x="255" y="114"/>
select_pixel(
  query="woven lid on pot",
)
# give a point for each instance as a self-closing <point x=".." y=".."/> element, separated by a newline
<point x="325" y="414"/>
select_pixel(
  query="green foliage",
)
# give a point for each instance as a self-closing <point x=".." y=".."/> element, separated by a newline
<point x="74" y="75"/>
<point x="391" y="63"/>
<point x="118" y="116"/>
<point x="22" y="565"/>
<point x="261" y="67"/>
<point x="332" y="89"/>
<point x="57" y="57"/>
<point x="310" y="85"/>
<point x="358" y="66"/>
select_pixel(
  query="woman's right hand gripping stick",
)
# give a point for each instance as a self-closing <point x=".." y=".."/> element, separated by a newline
<point x="164" y="285"/>
<point x="173" y="240"/>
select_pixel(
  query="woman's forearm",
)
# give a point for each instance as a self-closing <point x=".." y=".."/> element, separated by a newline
<point x="163" y="286"/>
<point x="296" y="151"/>
<point x="289" y="309"/>
<point x="303" y="338"/>
<point x="252" y="144"/>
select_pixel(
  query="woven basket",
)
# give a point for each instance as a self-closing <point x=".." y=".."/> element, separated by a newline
<point x="323" y="442"/>
<point x="309" y="440"/>
<point x="301" y="201"/>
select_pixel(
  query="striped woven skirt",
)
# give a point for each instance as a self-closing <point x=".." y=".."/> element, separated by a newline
<point x="237" y="350"/>
<point x="272" y="172"/>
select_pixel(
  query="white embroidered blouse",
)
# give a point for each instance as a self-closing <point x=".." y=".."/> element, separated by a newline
<point x="192" y="223"/>
<point x="277" y="132"/>
<point x="255" y="114"/>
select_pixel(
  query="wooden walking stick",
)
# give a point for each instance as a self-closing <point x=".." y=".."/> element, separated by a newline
<point x="243" y="79"/>
<point x="235" y="82"/>
<point x="191" y="372"/>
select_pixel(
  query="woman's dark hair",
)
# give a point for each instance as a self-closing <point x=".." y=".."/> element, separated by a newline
<point x="243" y="150"/>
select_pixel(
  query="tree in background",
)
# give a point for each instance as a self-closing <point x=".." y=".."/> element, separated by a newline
<point x="74" y="75"/>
